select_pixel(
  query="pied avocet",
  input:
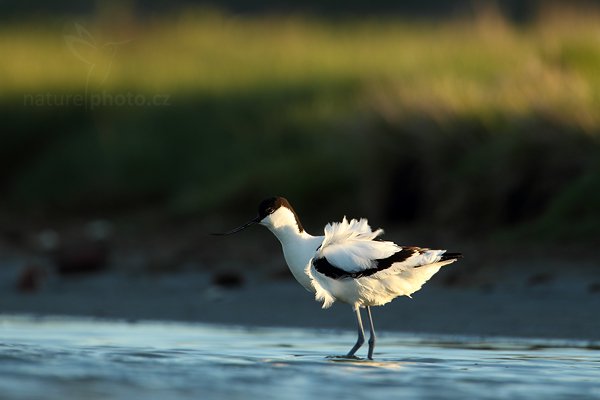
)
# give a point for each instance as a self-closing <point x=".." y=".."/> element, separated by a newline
<point x="348" y="263"/>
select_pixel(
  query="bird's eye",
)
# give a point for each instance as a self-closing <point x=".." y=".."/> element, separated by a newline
<point x="270" y="210"/>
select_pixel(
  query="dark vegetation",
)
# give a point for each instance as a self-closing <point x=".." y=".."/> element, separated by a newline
<point x="496" y="133"/>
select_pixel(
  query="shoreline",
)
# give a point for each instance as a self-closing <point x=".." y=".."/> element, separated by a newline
<point x="559" y="309"/>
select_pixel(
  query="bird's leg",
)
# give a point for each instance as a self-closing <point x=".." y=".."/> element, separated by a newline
<point x="372" y="334"/>
<point x="361" y="333"/>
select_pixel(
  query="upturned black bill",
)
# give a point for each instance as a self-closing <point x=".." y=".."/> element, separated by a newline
<point x="239" y="228"/>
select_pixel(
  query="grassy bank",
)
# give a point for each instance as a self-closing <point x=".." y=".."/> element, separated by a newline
<point x="470" y="125"/>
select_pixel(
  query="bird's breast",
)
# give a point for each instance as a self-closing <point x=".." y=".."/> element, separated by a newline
<point x="298" y="257"/>
<point x="297" y="266"/>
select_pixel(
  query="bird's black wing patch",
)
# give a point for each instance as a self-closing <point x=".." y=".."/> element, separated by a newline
<point x="323" y="266"/>
<point x="400" y="256"/>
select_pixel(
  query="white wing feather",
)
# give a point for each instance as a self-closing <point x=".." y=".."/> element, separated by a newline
<point x="350" y="245"/>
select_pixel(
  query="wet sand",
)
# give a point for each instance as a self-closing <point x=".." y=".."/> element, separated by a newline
<point x="565" y="307"/>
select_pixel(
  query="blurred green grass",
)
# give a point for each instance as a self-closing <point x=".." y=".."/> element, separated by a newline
<point x="469" y="125"/>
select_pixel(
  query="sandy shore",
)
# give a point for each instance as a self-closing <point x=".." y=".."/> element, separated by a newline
<point x="554" y="308"/>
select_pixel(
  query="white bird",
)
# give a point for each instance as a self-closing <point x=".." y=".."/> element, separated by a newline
<point x="348" y="263"/>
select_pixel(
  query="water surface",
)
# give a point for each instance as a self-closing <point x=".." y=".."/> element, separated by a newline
<point x="59" y="358"/>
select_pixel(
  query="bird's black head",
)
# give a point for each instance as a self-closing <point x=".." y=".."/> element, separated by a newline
<point x="270" y="205"/>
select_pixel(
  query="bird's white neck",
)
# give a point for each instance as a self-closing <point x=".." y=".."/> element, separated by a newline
<point x="298" y="246"/>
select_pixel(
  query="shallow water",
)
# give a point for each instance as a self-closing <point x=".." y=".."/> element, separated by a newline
<point x="59" y="358"/>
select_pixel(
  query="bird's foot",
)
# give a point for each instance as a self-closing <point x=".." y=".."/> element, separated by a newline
<point x="345" y="357"/>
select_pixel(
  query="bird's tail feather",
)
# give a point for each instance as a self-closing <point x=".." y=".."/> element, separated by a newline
<point x="451" y="256"/>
